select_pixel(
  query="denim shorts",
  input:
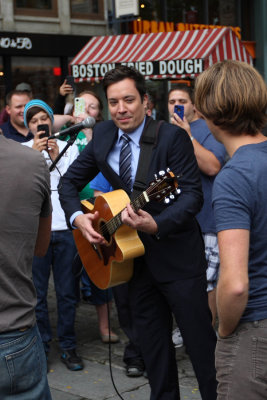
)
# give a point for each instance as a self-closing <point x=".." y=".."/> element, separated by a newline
<point x="241" y="363"/>
<point x="23" y="366"/>
<point x="213" y="260"/>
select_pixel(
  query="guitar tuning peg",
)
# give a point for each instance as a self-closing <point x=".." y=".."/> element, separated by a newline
<point x="155" y="176"/>
<point x="172" y="197"/>
<point x="161" y="173"/>
<point x="168" y="169"/>
<point x="166" y="200"/>
<point x="178" y="191"/>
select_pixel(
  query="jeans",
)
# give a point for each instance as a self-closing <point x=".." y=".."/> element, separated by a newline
<point x="60" y="254"/>
<point x="89" y="289"/>
<point x="23" y="366"/>
<point x="241" y="363"/>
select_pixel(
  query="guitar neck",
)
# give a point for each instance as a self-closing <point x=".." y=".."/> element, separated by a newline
<point x="114" y="223"/>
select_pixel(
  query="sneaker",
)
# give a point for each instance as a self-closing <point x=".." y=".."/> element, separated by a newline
<point x="72" y="360"/>
<point x="135" y="368"/>
<point x="177" y="338"/>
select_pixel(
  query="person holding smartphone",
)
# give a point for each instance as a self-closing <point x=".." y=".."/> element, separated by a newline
<point x="38" y="117"/>
<point x="210" y="156"/>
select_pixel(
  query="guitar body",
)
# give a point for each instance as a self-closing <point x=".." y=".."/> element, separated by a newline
<point x="109" y="265"/>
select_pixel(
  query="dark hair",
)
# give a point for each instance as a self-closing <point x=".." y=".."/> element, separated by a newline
<point x="32" y="111"/>
<point x="123" y="72"/>
<point x="184" y="88"/>
<point x="17" y="92"/>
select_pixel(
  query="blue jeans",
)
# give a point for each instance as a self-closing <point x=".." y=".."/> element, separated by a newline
<point x="59" y="256"/>
<point x="89" y="289"/>
<point x="23" y="366"/>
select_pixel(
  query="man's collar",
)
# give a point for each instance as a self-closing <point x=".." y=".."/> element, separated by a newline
<point x="135" y="135"/>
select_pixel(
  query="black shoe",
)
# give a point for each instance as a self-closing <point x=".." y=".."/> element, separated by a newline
<point x="72" y="361"/>
<point x="135" y="368"/>
<point x="87" y="299"/>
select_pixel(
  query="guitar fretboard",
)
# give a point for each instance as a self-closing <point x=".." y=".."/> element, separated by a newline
<point x="114" y="223"/>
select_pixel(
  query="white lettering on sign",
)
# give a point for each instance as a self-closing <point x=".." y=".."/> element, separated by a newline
<point x="147" y="68"/>
<point x="179" y="67"/>
<point x="15" y="43"/>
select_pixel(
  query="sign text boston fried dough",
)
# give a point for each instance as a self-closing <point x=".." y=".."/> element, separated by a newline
<point x="147" y="68"/>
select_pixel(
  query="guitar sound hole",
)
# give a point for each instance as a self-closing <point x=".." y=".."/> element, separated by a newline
<point x="104" y="232"/>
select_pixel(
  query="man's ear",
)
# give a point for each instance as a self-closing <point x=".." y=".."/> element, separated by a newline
<point x="8" y="109"/>
<point x="145" y="101"/>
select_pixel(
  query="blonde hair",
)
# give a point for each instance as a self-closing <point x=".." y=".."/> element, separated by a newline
<point x="233" y="95"/>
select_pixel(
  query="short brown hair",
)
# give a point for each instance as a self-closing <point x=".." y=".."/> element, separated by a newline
<point x="183" y="88"/>
<point x="17" y="92"/>
<point x="233" y="95"/>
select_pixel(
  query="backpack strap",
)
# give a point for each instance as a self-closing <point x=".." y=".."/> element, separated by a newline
<point x="147" y="142"/>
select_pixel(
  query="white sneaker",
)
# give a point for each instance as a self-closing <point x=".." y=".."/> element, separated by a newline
<point x="177" y="338"/>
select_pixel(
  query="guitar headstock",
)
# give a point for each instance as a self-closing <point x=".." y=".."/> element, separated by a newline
<point x="164" y="185"/>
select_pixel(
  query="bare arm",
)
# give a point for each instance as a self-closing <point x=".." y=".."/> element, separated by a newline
<point x="43" y="236"/>
<point x="208" y="163"/>
<point x="233" y="285"/>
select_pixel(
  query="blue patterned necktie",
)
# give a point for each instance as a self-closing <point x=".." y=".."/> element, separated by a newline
<point x="125" y="160"/>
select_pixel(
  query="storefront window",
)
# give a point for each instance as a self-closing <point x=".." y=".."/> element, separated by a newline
<point x="39" y="4"/>
<point x="2" y="85"/>
<point x="84" y="8"/>
<point x="36" y="7"/>
<point x="213" y="12"/>
<point x="39" y="73"/>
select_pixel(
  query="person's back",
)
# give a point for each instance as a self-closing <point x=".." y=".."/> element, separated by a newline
<point x="242" y="186"/>
<point x="24" y="206"/>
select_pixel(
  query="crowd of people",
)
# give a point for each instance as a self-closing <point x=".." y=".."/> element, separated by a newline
<point x="213" y="232"/>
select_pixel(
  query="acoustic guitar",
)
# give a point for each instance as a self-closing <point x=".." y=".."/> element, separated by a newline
<point x="112" y="264"/>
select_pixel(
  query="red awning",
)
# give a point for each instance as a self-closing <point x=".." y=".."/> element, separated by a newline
<point x="159" y="55"/>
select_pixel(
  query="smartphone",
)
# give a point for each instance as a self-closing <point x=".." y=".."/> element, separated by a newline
<point x="43" y="127"/>
<point x="179" y="110"/>
<point x="70" y="81"/>
<point x="79" y="106"/>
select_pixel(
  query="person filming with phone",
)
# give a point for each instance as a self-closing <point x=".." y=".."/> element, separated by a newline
<point x="210" y="156"/>
<point x="39" y="118"/>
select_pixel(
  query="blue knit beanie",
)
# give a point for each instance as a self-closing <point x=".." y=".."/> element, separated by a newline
<point x="41" y="104"/>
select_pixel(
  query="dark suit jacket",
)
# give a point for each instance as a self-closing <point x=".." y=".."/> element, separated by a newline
<point x="179" y="251"/>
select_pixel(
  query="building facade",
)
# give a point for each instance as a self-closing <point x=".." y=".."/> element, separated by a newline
<point x="38" y="38"/>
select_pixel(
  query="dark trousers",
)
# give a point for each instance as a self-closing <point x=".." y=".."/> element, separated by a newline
<point x="153" y="304"/>
<point x="59" y="257"/>
<point x="132" y="349"/>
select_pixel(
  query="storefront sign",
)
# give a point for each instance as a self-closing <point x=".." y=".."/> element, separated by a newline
<point x="147" y="68"/>
<point x="15" y="43"/>
<point x="22" y="44"/>
<point x="125" y="7"/>
<point x="160" y="26"/>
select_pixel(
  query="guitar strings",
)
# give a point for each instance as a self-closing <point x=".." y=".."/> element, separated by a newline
<point x="113" y="224"/>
